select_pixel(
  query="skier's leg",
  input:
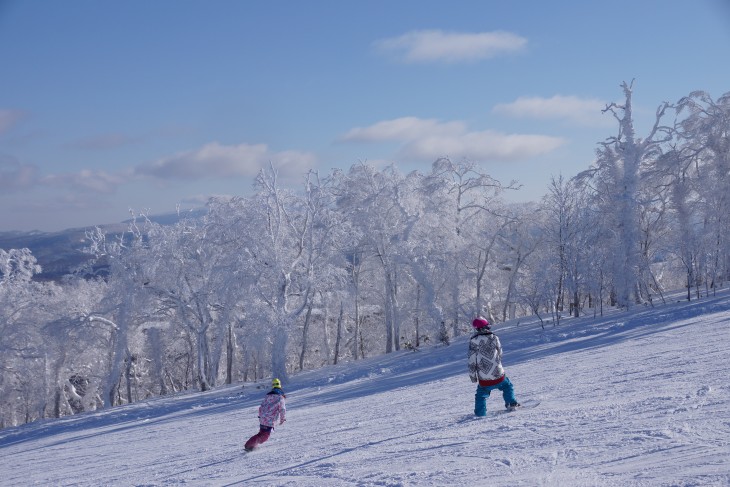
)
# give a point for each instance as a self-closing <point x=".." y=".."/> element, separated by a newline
<point x="264" y="434"/>
<point x="480" y="401"/>
<point x="258" y="438"/>
<point x="508" y="392"/>
<point x="252" y="442"/>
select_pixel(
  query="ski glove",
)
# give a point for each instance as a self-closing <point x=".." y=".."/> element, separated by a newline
<point x="473" y="379"/>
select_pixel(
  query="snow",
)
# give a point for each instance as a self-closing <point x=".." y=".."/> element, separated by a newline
<point x="633" y="398"/>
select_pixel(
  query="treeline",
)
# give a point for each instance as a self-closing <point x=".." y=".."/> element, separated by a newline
<point x="366" y="261"/>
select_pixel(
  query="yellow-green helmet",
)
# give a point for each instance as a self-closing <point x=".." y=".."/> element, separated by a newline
<point x="276" y="383"/>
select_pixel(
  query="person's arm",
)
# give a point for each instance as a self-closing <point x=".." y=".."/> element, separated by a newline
<point x="282" y="411"/>
<point x="472" y="362"/>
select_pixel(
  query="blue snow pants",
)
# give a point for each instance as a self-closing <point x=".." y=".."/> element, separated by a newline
<point x="480" y="398"/>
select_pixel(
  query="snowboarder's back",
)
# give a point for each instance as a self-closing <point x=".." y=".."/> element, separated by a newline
<point x="485" y="367"/>
<point x="272" y="408"/>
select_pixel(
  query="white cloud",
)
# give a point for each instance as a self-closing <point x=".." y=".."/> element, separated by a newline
<point x="481" y="146"/>
<point x="215" y="160"/>
<point x="70" y="201"/>
<point x="15" y="176"/>
<point x="430" y="139"/>
<point x="103" y="141"/>
<point x="8" y="118"/>
<point x="585" y="111"/>
<point x="436" y="45"/>
<point x="86" y="180"/>
<point x="201" y="199"/>
<point x="402" y="129"/>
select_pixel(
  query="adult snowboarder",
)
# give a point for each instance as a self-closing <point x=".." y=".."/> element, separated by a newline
<point x="272" y="408"/>
<point x="485" y="367"/>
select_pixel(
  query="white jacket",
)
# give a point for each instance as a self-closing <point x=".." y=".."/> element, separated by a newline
<point x="485" y="357"/>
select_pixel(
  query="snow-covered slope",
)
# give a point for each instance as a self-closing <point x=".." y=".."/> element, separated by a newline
<point x="631" y="399"/>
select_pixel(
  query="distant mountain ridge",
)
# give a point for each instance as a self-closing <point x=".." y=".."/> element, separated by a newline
<point x="58" y="253"/>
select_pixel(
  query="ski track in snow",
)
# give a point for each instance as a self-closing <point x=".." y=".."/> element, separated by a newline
<point x="639" y="398"/>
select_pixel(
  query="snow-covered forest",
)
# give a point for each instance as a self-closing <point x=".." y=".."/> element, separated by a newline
<point x="634" y="398"/>
<point x="367" y="261"/>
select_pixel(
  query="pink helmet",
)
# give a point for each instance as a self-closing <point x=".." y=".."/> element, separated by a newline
<point x="480" y="323"/>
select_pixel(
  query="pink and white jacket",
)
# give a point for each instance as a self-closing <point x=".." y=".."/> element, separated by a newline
<point x="273" y="407"/>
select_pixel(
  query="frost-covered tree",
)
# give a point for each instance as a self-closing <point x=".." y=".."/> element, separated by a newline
<point x="376" y="202"/>
<point x="617" y="179"/>
<point x="563" y="246"/>
<point x="519" y="243"/>
<point x="230" y="228"/>
<point x="329" y="236"/>
<point x="463" y="199"/>
<point x="705" y="134"/>
<point x="685" y="239"/>
<point x="20" y="345"/>
<point x="190" y="274"/>
<point x="296" y="238"/>
<point x="125" y="307"/>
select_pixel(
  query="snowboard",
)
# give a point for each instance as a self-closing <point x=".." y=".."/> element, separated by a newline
<point x="528" y="404"/>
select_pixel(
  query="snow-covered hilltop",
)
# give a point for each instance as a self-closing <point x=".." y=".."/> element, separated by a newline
<point x="631" y="399"/>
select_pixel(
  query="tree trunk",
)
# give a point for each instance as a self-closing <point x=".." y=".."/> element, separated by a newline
<point x="203" y="361"/>
<point x="511" y="286"/>
<point x="356" y="331"/>
<point x="340" y="319"/>
<point x="118" y="352"/>
<point x="388" y="316"/>
<point x="326" y="331"/>
<point x="278" y="353"/>
<point x="57" y="402"/>
<point x="418" y="309"/>
<point x="155" y="342"/>
<point x="305" y="339"/>
<point x="456" y="280"/>
<point x="128" y="376"/>
<point x="230" y="350"/>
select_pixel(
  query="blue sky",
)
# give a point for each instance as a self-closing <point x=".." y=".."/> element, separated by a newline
<point x="107" y="106"/>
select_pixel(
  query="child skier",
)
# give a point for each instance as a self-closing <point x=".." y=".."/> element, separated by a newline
<point x="485" y="367"/>
<point x="273" y="407"/>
